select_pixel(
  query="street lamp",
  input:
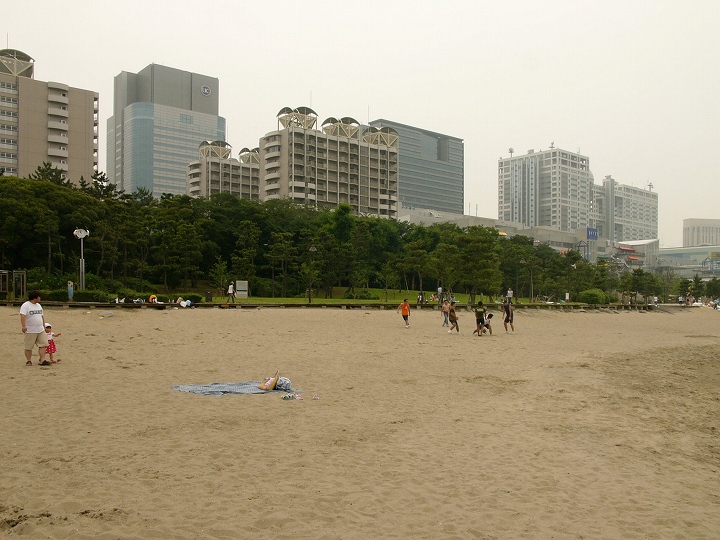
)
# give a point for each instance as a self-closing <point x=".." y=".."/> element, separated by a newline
<point x="312" y="251"/>
<point x="532" y="291"/>
<point x="81" y="234"/>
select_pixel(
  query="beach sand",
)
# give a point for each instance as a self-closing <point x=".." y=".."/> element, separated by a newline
<point x="592" y="425"/>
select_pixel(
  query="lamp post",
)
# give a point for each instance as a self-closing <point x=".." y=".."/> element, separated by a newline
<point x="81" y="234"/>
<point x="312" y="251"/>
<point x="532" y="290"/>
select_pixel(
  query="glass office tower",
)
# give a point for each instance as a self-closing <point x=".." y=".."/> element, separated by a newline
<point x="431" y="168"/>
<point x="160" y="117"/>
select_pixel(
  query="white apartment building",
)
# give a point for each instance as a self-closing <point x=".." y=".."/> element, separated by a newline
<point x="701" y="232"/>
<point x="624" y="213"/>
<point x="45" y="122"/>
<point x="549" y="188"/>
<point x="217" y="172"/>
<point x="343" y="163"/>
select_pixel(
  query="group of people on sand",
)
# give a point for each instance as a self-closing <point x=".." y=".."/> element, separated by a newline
<point x="38" y="332"/>
<point x="483" y="319"/>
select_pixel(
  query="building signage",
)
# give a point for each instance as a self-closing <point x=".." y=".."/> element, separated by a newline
<point x="205" y="90"/>
<point x="592" y="233"/>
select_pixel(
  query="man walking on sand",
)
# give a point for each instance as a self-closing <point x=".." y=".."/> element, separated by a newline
<point x="508" y="315"/>
<point x="32" y="322"/>
<point x="231" y="293"/>
<point x="453" y="319"/>
<point x="405" y="309"/>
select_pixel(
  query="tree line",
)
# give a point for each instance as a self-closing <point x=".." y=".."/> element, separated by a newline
<point x="281" y="248"/>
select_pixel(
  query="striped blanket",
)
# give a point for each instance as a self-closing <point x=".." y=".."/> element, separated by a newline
<point x="220" y="389"/>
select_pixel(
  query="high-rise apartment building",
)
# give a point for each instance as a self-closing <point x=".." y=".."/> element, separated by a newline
<point x="624" y="213"/>
<point x="701" y="232"/>
<point x="216" y="171"/>
<point x="342" y="162"/>
<point x="550" y="188"/>
<point x="45" y="122"/>
<point x="431" y="168"/>
<point x="160" y="116"/>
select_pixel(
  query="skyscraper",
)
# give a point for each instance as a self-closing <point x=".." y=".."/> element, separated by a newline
<point x="45" y="122"/>
<point x="431" y="168"/>
<point x="160" y="117"/>
<point x="550" y="188"/>
<point x="624" y="213"/>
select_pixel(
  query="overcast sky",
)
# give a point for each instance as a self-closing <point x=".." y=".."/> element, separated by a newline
<point x="633" y="85"/>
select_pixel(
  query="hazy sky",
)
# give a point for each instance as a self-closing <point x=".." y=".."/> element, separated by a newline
<point x="633" y="85"/>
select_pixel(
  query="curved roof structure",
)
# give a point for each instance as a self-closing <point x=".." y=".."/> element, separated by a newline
<point x="215" y="149"/>
<point x="345" y="127"/>
<point x="18" y="63"/>
<point x="303" y="117"/>
<point x="386" y="136"/>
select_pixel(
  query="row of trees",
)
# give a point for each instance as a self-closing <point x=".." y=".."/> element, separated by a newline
<point x="279" y="247"/>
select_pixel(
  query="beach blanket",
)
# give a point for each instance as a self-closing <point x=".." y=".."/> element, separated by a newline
<point x="220" y="389"/>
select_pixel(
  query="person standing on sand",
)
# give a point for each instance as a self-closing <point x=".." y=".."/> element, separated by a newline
<point x="231" y="293"/>
<point x="453" y="319"/>
<point x="32" y="322"/>
<point x="444" y="310"/>
<point x="508" y="315"/>
<point x="51" y="348"/>
<point x="405" y="309"/>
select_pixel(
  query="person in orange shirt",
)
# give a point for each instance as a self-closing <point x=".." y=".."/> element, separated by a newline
<point x="405" y="309"/>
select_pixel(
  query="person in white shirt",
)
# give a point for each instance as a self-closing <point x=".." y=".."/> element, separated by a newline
<point x="231" y="293"/>
<point x="32" y="322"/>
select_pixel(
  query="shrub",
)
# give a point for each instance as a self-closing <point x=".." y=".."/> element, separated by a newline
<point x="592" y="296"/>
<point x="360" y="295"/>
<point x="57" y="295"/>
<point x="89" y="296"/>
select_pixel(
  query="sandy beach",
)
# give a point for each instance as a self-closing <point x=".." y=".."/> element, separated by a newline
<point x="587" y="425"/>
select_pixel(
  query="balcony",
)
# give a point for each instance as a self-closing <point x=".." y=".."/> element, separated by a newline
<point x="57" y="152"/>
<point x="58" y="98"/>
<point x="58" y="165"/>
<point x="58" y="86"/>
<point x="57" y="111"/>
<point x="62" y="126"/>
<point x="274" y="154"/>
<point x="272" y="176"/>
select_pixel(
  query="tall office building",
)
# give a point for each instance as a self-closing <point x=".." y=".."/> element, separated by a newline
<point x="216" y="171"/>
<point x="45" y="122"/>
<point x="160" y="116"/>
<point x="701" y="232"/>
<point x="550" y="188"/>
<point x="624" y="213"/>
<point x="431" y="168"/>
<point x="342" y="162"/>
